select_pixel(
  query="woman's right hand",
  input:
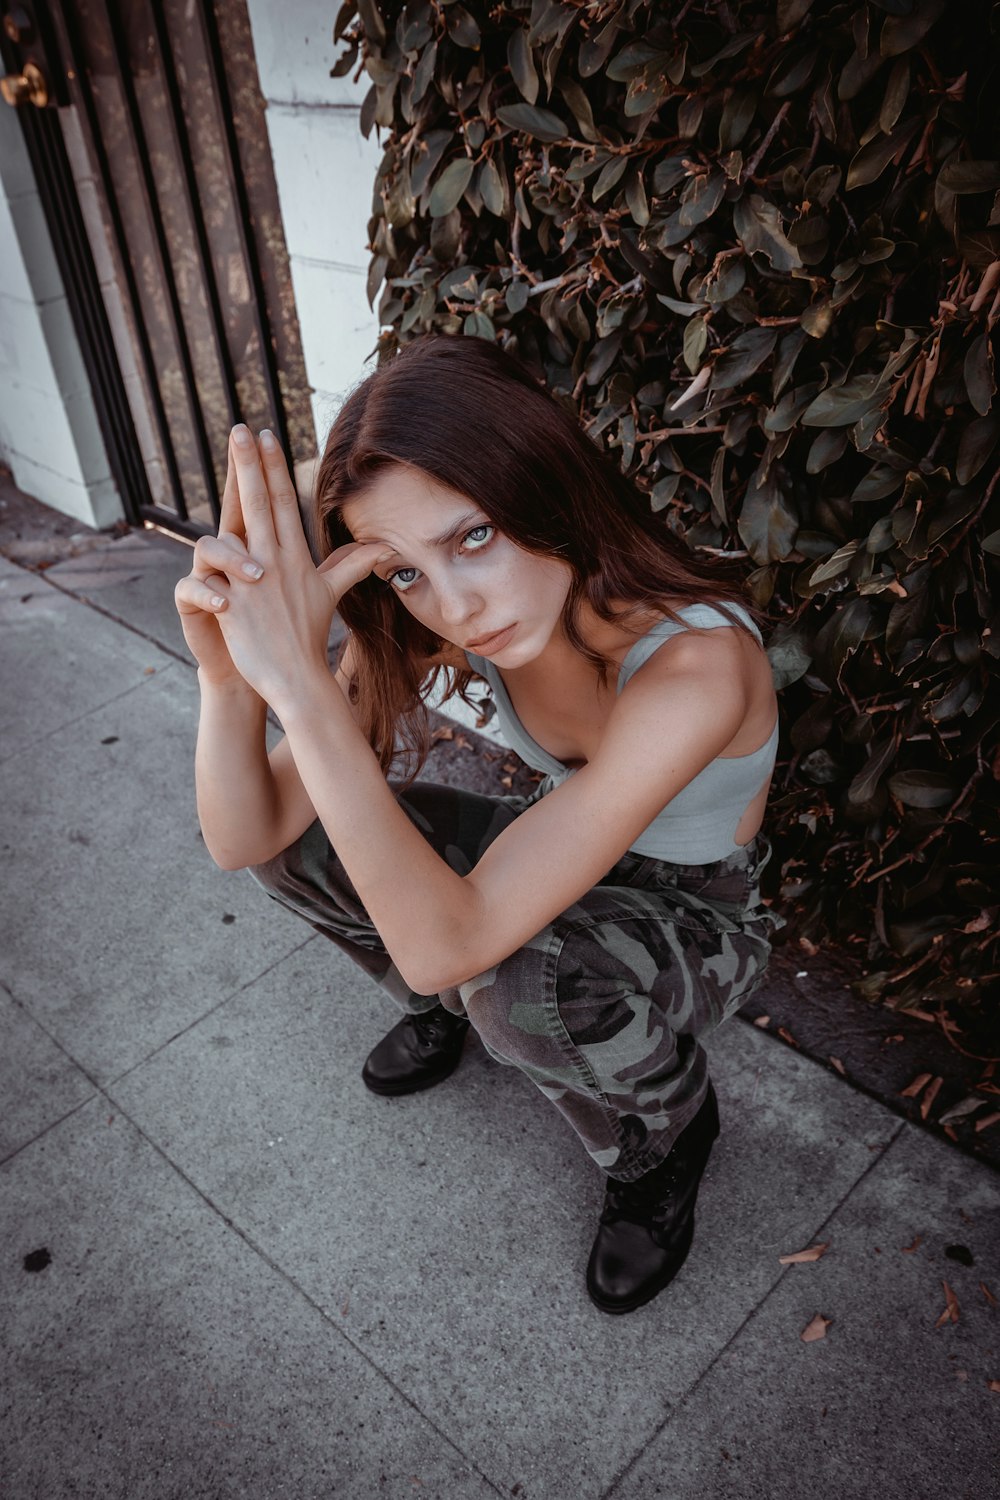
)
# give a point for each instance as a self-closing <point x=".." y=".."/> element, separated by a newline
<point x="202" y="595"/>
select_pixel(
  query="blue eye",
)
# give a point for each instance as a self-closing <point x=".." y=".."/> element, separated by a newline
<point x="476" y="537"/>
<point x="401" y="584"/>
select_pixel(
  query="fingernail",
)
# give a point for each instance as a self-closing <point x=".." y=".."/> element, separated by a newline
<point x="218" y="601"/>
<point x="252" y="570"/>
<point x="241" y="436"/>
<point x="267" y="440"/>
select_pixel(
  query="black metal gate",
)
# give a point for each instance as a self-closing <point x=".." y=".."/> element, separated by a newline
<point x="146" y="129"/>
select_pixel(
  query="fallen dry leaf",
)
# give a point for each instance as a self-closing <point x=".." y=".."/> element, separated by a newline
<point x="836" y="1062"/>
<point x="808" y="947"/>
<point x="987" y="1294"/>
<point x="967" y="1106"/>
<point x="816" y="1329"/>
<point x="813" y="1253"/>
<point x="463" y="742"/>
<point x="988" y="1120"/>
<point x="786" y="1036"/>
<point x="993" y="1385"/>
<point x="896" y="1037"/>
<point x="762" y="1020"/>
<point x="909" y="1249"/>
<point x="950" y="1314"/>
<point x="933" y="1089"/>
<point x="443" y="732"/>
<point x="913" y="1089"/>
<point x="507" y="781"/>
<point x="509" y="767"/>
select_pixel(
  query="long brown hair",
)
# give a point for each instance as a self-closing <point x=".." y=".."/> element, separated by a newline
<point x="472" y="417"/>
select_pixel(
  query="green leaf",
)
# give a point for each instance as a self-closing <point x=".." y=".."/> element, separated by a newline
<point x="979" y="375"/>
<point x="970" y="177"/>
<point x="833" y="566"/>
<point x="463" y="28"/>
<point x="896" y="93"/>
<point x="842" y="405"/>
<point x="744" y="356"/>
<point x="424" y="72"/>
<point x="635" y="197"/>
<point x="447" y="192"/>
<point x="901" y="33"/>
<point x="667" y="174"/>
<point x="767" y="523"/>
<point x="491" y="187"/>
<point x="991" y="544"/>
<point x="825" y="450"/>
<point x="790" y="13"/>
<point x="517" y="296"/>
<point x="612" y="173"/>
<point x="977" y="442"/>
<point x="580" y="107"/>
<point x="881" y="754"/>
<point x="870" y="162"/>
<point x="758" y="226"/>
<point x="663" y="491"/>
<point x="522" y="68"/>
<point x="737" y="117"/>
<point x="923" y="788"/>
<point x="543" y="124"/>
<point x="371" y="20"/>
<point x="684" y="308"/>
<point x="695" y="340"/>
<point x="701" y="197"/>
<point x="817" y="318"/>
<point x="789" y="657"/>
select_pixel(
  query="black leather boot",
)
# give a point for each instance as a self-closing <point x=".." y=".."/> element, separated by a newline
<point x="647" y="1225"/>
<point x="418" y="1052"/>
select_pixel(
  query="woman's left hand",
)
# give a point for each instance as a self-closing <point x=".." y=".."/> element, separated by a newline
<point x="277" y="628"/>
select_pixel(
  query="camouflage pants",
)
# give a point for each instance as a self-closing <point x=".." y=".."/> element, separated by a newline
<point x="606" y="1008"/>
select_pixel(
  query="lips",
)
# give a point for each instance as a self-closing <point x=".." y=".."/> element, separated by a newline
<point x="492" y="642"/>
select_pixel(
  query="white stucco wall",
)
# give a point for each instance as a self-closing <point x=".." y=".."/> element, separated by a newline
<point x="49" y="434"/>
<point x="325" y="170"/>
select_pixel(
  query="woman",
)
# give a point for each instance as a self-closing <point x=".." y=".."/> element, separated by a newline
<point x="593" y="932"/>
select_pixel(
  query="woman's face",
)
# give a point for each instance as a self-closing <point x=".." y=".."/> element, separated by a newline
<point x="455" y="572"/>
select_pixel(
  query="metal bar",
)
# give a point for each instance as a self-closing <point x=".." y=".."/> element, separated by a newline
<point x="183" y="145"/>
<point x="89" y="110"/>
<point x="206" y="14"/>
<point x="170" y="286"/>
<point x="57" y="192"/>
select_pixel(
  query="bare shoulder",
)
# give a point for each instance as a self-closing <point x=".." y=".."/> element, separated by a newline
<point x="721" y="675"/>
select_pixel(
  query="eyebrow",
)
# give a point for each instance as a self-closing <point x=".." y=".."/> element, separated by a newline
<point x="452" y="532"/>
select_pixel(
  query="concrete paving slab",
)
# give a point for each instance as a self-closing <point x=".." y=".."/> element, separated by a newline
<point x="59" y="659"/>
<point x="158" y="1355"/>
<point x="132" y="577"/>
<point x="121" y="930"/>
<point x="39" y="1084"/>
<point x="450" y="1229"/>
<point x="888" y="1403"/>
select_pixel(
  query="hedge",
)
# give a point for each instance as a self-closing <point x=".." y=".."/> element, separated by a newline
<point x="756" y="247"/>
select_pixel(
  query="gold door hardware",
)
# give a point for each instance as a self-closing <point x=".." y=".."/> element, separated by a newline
<point x="28" y="87"/>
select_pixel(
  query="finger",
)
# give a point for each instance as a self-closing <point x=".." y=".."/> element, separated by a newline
<point x="350" y="564"/>
<point x="231" y="515"/>
<point x="255" y="501"/>
<point x="284" y="501"/>
<point x="224" y="554"/>
<point x="194" y="594"/>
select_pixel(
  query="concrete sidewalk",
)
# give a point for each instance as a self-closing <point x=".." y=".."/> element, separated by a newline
<point x="229" y="1270"/>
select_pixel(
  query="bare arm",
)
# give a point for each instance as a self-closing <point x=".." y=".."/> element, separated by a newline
<point x="674" y="716"/>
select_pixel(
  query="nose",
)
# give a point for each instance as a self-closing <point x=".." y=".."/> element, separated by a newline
<point x="458" y="602"/>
